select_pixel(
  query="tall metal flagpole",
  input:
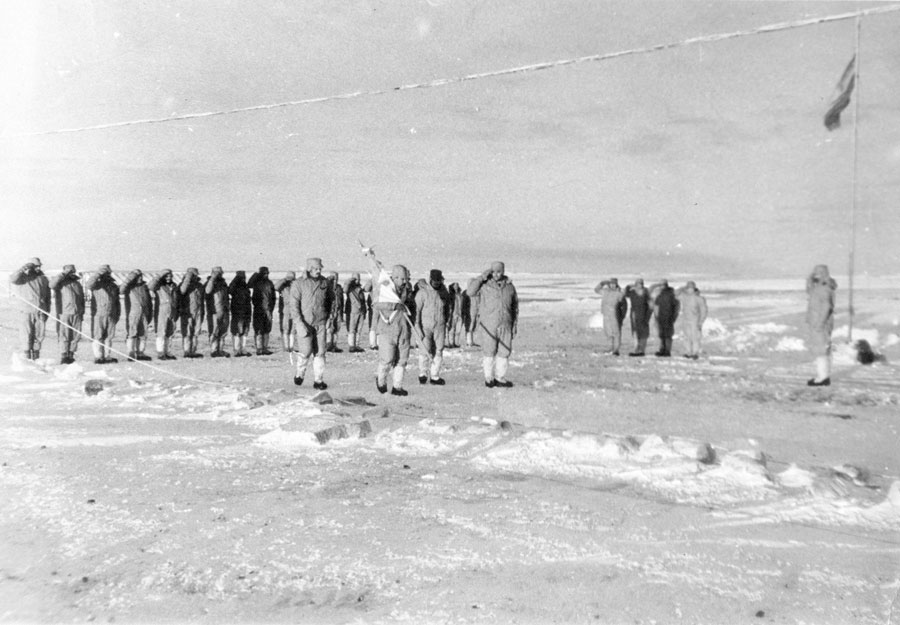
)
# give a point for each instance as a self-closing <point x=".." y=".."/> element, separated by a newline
<point x="855" y="169"/>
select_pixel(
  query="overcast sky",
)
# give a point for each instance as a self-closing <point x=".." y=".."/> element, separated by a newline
<point x="710" y="158"/>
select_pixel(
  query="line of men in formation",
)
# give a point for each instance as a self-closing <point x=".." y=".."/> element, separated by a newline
<point x="317" y="305"/>
<point x="660" y="302"/>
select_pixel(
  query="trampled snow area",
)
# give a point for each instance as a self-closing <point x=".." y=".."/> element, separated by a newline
<point x="598" y="489"/>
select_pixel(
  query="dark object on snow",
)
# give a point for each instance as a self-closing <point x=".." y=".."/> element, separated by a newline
<point x="864" y="352"/>
<point x="92" y="387"/>
<point x="760" y="614"/>
<point x="506" y="426"/>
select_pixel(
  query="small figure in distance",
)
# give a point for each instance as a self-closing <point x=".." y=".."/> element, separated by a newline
<point x="138" y="314"/>
<point x="354" y="312"/>
<point x="310" y="302"/>
<point x="190" y="311"/>
<point x="433" y="306"/>
<point x="665" y="309"/>
<point x="455" y="329"/>
<point x="285" y="323"/>
<point x="69" y="297"/>
<point x="371" y="318"/>
<point x="693" y="313"/>
<point x="337" y="313"/>
<point x="612" y="306"/>
<point x="820" y="288"/>
<point x="165" y="311"/>
<point x="638" y="298"/>
<point x="498" y="317"/>
<point x="33" y="291"/>
<point x="263" y="309"/>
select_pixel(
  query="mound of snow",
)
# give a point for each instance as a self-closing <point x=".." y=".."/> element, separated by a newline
<point x="596" y="321"/>
<point x="790" y="344"/>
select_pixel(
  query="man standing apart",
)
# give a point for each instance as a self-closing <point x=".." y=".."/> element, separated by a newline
<point x="433" y="308"/>
<point x="612" y="306"/>
<point x="498" y="315"/>
<point x="639" y="299"/>
<point x="354" y="312"/>
<point x="165" y="311"/>
<point x="285" y="323"/>
<point x="138" y="312"/>
<point x="310" y="302"/>
<point x="105" y="310"/>
<point x="391" y="299"/>
<point x="693" y="313"/>
<point x="820" y="288"/>
<point x="263" y="309"/>
<point x="69" y="297"/>
<point x="34" y="302"/>
<point x="190" y="302"/>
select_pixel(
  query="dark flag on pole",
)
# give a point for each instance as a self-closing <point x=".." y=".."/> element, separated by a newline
<point x="842" y="96"/>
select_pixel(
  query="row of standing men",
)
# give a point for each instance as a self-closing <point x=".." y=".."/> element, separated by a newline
<point x="317" y="306"/>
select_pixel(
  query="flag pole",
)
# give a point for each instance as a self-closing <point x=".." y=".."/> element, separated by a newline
<point x="855" y="185"/>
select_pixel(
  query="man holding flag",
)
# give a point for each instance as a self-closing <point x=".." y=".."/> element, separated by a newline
<point x="391" y="295"/>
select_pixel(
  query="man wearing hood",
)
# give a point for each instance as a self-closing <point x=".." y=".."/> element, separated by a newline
<point x="191" y="297"/>
<point x="241" y="311"/>
<point x="498" y="316"/>
<point x="310" y="303"/>
<point x="215" y="292"/>
<point x="455" y="328"/>
<point x="639" y="313"/>
<point x="433" y="309"/>
<point x="263" y="309"/>
<point x="69" y="297"/>
<point x="165" y="311"/>
<point x="665" y="309"/>
<point x="33" y="290"/>
<point x="693" y="313"/>
<point x="285" y="323"/>
<point x="612" y="307"/>
<point x="105" y="310"/>
<point x="138" y="313"/>
<point x="391" y="302"/>
<point x="354" y="311"/>
<point x="820" y="288"/>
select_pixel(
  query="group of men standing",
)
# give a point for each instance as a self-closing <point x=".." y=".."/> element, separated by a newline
<point x="311" y="309"/>
<point x="659" y="302"/>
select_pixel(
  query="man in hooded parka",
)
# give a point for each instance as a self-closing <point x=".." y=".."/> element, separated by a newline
<point x="215" y="300"/>
<point x="693" y="313"/>
<point x="138" y="314"/>
<point x="191" y="296"/>
<point x="68" y="295"/>
<point x="165" y="311"/>
<point x="354" y="311"/>
<point x="392" y="300"/>
<point x="433" y="308"/>
<point x="33" y="291"/>
<point x="310" y="302"/>
<point x="498" y="317"/>
<point x="820" y="288"/>
<point x="665" y="309"/>
<point x="263" y="309"/>
<point x="639" y="315"/>
<point x="612" y="307"/>
<point x="105" y="311"/>
<point x="241" y="309"/>
<point x="285" y="323"/>
<point x="370" y="316"/>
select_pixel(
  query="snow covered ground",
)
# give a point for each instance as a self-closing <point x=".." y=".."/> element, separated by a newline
<point x="598" y="489"/>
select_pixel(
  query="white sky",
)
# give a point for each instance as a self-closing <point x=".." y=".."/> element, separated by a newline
<point x="710" y="159"/>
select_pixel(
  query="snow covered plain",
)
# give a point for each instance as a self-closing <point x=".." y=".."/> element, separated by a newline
<point x="599" y="489"/>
